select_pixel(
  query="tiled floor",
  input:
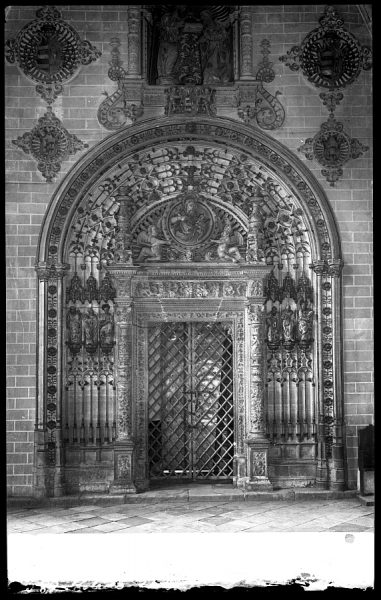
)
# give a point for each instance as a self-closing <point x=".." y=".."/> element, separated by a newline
<point x="187" y="516"/>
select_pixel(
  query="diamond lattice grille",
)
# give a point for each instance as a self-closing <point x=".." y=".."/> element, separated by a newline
<point x="190" y="405"/>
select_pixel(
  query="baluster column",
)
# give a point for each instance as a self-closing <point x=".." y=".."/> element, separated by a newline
<point x="257" y="442"/>
<point x="246" y="57"/>
<point x="134" y="68"/>
<point x="122" y="272"/>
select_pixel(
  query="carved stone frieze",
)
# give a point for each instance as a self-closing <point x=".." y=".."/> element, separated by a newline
<point x="332" y="147"/>
<point x="50" y="52"/>
<point x="329" y="56"/>
<point x="50" y="144"/>
<point x="190" y="100"/>
<point x="189" y="289"/>
<point x="51" y="270"/>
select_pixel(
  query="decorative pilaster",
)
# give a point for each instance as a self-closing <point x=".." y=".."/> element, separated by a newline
<point x="246" y="58"/>
<point x="257" y="441"/>
<point x="122" y="271"/>
<point x="134" y="70"/>
<point x="337" y="466"/>
<point x="330" y="473"/>
<point x="48" y="426"/>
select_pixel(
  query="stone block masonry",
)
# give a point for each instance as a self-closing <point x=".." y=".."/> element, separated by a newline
<point x="28" y="196"/>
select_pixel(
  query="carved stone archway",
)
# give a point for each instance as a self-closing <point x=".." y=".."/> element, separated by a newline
<point x="261" y="191"/>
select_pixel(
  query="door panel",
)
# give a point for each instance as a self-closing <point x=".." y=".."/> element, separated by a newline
<point x="190" y="401"/>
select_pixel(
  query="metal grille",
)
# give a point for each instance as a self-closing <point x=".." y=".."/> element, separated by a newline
<point x="190" y="404"/>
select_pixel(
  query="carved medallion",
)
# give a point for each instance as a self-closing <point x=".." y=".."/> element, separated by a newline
<point x="50" y="144"/>
<point x="332" y="148"/>
<point x="188" y="222"/>
<point x="329" y="56"/>
<point x="49" y="52"/>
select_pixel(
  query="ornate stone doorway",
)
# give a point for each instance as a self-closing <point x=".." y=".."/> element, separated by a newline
<point x="193" y="220"/>
<point x="190" y="401"/>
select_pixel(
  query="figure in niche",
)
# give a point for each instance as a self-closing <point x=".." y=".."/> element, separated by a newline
<point x="227" y="249"/>
<point x="90" y="329"/>
<point x="216" y="59"/>
<point x="171" y="24"/>
<point x="75" y="290"/>
<point x="272" y="322"/>
<point x="305" y="317"/>
<point x="74" y="329"/>
<point x="91" y="292"/>
<point x="151" y="245"/>
<point x="288" y="326"/>
<point x="106" y="329"/>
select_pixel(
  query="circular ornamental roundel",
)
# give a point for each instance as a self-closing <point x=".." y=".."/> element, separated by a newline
<point x="188" y="222"/>
<point x="49" y="52"/>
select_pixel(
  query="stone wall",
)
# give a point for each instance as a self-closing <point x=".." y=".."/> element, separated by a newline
<point x="28" y="195"/>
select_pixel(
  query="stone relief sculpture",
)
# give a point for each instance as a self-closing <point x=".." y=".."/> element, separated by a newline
<point x="150" y="245"/>
<point x="193" y="46"/>
<point x="227" y="244"/>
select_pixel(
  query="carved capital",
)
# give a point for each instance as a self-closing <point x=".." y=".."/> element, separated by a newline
<point x="48" y="270"/>
<point x="335" y="266"/>
<point x="319" y="267"/>
<point x="123" y="313"/>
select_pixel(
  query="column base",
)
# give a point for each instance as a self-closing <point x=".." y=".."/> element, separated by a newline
<point x="117" y="488"/>
<point x="123" y="471"/>
<point x="259" y="484"/>
<point x="258" y="462"/>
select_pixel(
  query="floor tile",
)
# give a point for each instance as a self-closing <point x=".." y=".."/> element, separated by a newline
<point x="133" y="521"/>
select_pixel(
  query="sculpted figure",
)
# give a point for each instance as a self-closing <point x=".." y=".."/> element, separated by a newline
<point x="170" y="26"/>
<point x="288" y="325"/>
<point x="151" y="245"/>
<point x="305" y="317"/>
<point x="74" y="327"/>
<point x="90" y="330"/>
<point x="272" y="323"/>
<point x="215" y="50"/>
<point x="106" y="328"/>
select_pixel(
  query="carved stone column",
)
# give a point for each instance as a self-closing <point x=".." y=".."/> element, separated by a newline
<point x="337" y="466"/>
<point x="48" y="463"/>
<point x="134" y="67"/>
<point x="257" y="441"/>
<point x="122" y="271"/>
<point x="246" y="57"/>
<point x="330" y="470"/>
